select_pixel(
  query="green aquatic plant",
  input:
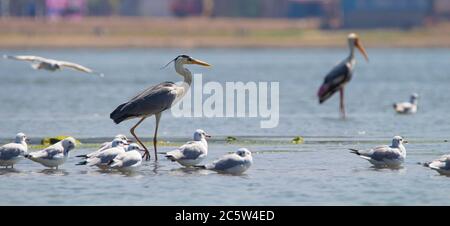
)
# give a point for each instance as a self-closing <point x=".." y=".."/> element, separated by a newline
<point x="231" y="139"/>
<point x="53" y="140"/>
<point x="298" y="140"/>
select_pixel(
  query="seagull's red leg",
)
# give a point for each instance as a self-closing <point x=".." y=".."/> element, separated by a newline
<point x="157" y="117"/>
<point x="146" y="154"/>
<point x="341" y="104"/>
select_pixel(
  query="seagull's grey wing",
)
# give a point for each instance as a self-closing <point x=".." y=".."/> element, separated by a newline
<point x="384" y="152"/>
<point x="226" y="162"/>
<point x="53" y="152"/>
<point x="26" y="58"/>
<point x="151" y="101"/>
<point x="9" y="151"/>
<point x="192" y="150"/>
<point x="127" y="159"/>
<point x="77" y="67"/>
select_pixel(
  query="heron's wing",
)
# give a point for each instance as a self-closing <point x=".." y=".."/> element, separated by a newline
<point x="26" y="58"/>
<point x="339" y="75"/>
<point x="226" y="162"/>
<point x="77" y="67"/>
<point x="151" y="101"/>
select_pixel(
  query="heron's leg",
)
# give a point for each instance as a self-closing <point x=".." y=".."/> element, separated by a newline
<point x="146" y="154"/>
<point x="157" y="117"/>
<point x="341" y="104"/>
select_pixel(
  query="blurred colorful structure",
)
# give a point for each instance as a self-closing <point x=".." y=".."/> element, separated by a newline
<point x="332" y="13"/>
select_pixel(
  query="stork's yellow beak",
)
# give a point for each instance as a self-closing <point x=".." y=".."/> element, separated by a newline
<point x="199" y="62"/>
<point x="361" y="48"/>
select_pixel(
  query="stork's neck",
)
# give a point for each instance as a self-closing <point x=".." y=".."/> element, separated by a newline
<point x="351" y="56"/>
<point x="187" y="75"/>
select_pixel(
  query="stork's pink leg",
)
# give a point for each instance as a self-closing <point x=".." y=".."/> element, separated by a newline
<point x="341" y="104"/>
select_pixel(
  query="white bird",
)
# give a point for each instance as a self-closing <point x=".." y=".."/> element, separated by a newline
<point x="407" y="107"/>
<point x="385" y="156"/>
<point x="118" y="139"/>
<point x="55" y="155"/>
<point x="11" y="153"/>
<point x="236" y="163"/>
<point x="129" y="160"/>
<point x="441" y="165"/>
<point x="192" y="152"/>
<point x="50" y="64"/>
<point x="102" y="159"/>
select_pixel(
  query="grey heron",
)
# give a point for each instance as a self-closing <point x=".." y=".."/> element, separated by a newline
<point x="51" y="65"/>
<point x="192" y="152"/>
<point x="341" y="74"/>
<point x="11" y="153"/>
<point x="407" y="107"/>
<point x="381" y="156"/>
<point x="156" y="99"/>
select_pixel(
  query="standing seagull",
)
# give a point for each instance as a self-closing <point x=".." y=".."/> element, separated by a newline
<point x="156" y="99"/>
<point x="235" y="163"/>
<point x="193" y="152"/>
<point x="11" y="153"/>
<point x="407" y="107"/>
<point x="382" y="156"/>
<point x="54" y="155"/>
<point x="341" y="74"/>
<point x="50" y="64"/>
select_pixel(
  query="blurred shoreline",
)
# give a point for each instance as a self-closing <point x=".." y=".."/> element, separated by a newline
<point x="136" y="32"/>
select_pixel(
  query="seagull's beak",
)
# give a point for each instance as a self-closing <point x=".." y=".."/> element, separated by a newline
<point x="361" y="48"/>
<point x="199" y="62"/>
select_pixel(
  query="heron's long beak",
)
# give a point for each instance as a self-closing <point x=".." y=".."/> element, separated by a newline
<point x="361" y="48"/>
<point x="199" y="62"/>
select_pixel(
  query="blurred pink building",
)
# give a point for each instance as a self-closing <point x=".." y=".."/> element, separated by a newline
<point x="71" y="9"/>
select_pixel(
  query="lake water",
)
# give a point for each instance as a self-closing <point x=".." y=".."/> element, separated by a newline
<point x="319" y="172"/>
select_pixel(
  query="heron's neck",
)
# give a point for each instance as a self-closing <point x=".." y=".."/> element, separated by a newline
<point x="187" y="75"/>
